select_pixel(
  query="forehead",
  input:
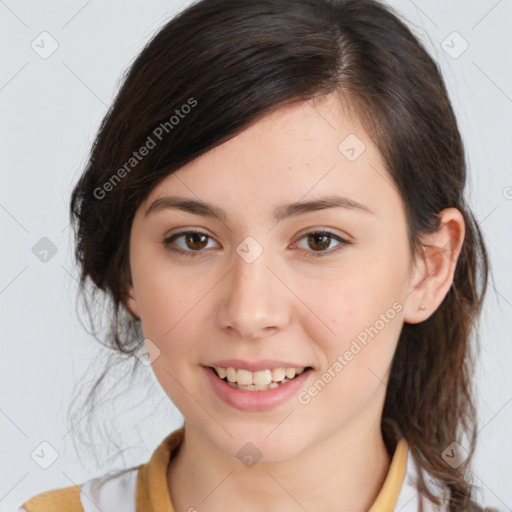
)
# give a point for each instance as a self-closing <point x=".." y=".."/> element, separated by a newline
<point x="299" y="152"/>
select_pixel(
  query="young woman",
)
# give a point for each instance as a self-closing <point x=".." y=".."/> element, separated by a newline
<point x="275" y="204"/>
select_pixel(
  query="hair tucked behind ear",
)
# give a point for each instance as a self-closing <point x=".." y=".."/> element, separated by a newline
<point x="239" y="60"/>
<point x="430" y="392"/>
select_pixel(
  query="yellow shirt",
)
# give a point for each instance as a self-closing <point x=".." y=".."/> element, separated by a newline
<point x="145" y="489"/>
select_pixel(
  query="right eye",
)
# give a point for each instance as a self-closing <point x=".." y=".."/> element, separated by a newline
<point x="194" y="242"/>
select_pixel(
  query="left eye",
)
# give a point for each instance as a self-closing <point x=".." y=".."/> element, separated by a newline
<point x="195" y="241"/>
<point x="320" y="240"/>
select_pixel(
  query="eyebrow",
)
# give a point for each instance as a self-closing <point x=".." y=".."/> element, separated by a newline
<point x="280" y="213"/>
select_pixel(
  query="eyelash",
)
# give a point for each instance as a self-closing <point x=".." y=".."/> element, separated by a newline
<point x="313" y="254"/>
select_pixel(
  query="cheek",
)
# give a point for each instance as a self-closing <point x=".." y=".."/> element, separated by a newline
<point x="357" y="317"/>
<point x="343" y="303"/>
<point x="167" y="298"/>
<point x="171" y="311"/>
<point x="356" y="358"/>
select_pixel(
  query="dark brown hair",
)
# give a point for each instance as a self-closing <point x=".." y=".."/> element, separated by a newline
<point x="221" y="65"/>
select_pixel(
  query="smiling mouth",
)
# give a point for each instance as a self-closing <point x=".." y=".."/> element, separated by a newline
<point x="260" y="380"/>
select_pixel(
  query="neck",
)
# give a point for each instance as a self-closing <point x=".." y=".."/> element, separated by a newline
<point x="348" y="466"/>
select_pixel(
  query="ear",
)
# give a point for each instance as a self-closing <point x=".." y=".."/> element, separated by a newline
<point x="433" y="271"/>
<point x="130" y="302"/>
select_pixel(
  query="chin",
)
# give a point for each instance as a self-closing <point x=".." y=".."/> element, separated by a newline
<point x="265" y="444"/>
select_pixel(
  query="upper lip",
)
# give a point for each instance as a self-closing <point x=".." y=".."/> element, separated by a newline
<point x="254" y="366"/>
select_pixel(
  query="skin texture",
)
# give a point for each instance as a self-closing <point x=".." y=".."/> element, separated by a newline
<point x="288" y="304"/>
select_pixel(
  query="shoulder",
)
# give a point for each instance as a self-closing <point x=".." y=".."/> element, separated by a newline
<point x="65" y="499"/>
<point x="115" y="491"/>
<point x="112" y="491"/>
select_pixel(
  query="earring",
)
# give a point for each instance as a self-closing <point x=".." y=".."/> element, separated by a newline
<point x="421" y="308"/>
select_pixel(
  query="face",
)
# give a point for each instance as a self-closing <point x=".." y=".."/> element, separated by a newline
<point x="261" y="286"/>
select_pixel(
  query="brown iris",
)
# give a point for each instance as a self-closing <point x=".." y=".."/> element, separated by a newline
<point x="196" y="241"/>
<point x="315" y="237"/>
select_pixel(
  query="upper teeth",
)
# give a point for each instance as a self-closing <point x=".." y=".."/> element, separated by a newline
<point x="259" y="378"/>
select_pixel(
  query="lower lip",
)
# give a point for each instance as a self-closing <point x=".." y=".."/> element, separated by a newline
<point x="255" y="400"/>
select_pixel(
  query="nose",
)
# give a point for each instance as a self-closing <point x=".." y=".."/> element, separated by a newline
<point x="255" y="303"/>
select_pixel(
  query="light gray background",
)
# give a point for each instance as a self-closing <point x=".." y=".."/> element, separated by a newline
<point x="51" y="109"/>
